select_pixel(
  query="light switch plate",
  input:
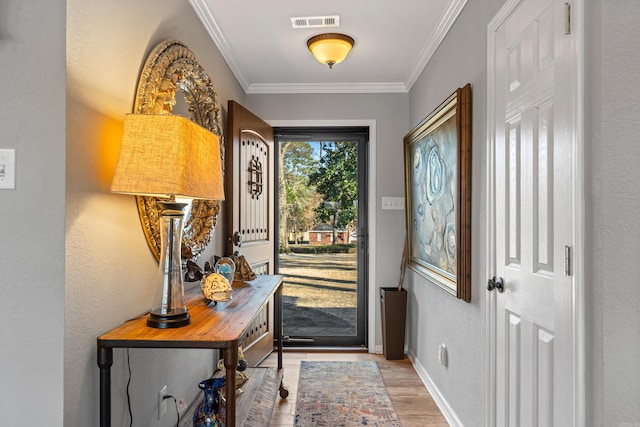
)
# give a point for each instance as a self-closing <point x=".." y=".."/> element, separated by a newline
<point x="393" y="203"/>
<point x="7" y="169"/>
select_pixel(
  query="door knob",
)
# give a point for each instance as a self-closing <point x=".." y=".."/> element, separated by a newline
<point x="495" y="283"/>
<point x="236" y="239"/>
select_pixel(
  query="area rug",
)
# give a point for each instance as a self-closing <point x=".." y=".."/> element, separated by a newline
<point x="343" y="394"/>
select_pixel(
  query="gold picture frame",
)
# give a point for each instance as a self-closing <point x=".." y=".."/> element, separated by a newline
<point x="171" y="71"/>
<point x="437" y="156"/>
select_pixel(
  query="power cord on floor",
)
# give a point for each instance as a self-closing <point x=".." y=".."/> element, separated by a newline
<point x="128" y="395"/>
<point x="175" y="402"/>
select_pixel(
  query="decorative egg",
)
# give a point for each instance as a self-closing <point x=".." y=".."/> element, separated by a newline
<point x="216" y="287"/>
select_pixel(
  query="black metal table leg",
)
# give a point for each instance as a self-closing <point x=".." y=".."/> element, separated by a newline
<point x="230" y="364"/>
<point x="278" y="322"/>
<point x="105" y="360"/>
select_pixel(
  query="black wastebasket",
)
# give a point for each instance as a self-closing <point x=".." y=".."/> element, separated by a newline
<point x="393" y="307"/>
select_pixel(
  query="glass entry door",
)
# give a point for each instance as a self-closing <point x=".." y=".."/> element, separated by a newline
<point x="322" y="242"/>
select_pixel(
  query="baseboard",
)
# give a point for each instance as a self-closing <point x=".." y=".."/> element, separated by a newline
<point x="379" y="349"/>
<point x="442" y="403"/>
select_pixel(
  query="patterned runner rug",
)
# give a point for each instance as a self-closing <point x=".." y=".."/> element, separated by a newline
<point x="343" y="394"/>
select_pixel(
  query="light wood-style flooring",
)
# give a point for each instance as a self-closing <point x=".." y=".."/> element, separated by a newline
<point x="412" y="402"/>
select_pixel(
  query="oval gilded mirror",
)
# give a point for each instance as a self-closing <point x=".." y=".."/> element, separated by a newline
<point x="171" y="71"/>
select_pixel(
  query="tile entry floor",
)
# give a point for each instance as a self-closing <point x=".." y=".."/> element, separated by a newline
<point x="411" y="400"/>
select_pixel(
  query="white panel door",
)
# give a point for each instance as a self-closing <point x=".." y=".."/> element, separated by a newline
<point x="532" y="133"/>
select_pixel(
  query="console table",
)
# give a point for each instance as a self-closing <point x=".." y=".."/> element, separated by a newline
<point x="212" y="327"/>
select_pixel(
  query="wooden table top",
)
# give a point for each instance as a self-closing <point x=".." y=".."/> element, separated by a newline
<point x="212" y="326"/>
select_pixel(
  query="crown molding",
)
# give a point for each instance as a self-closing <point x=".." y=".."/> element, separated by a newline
<point x="291" y="88"/>
<point x="444" y="25"/>
<point x="213" y="29"/>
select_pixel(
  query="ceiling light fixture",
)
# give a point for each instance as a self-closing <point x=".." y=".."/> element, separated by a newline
<point x="330" y="48"/>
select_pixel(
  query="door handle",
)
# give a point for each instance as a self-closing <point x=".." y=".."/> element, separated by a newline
<point x="495" y="283"/>
<point x="362" y="237"/>
<point x="236" y="239"/>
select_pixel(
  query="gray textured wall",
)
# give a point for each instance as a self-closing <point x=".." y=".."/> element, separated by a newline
<point x="612" y="126"/>
<point x="32" y="253"/>
<point x="436" y="317"/>
<point x="109" y="266"/>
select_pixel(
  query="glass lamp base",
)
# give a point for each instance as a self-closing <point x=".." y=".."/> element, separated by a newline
<point x="169" y="309"/>
<point x="168" y="321"/>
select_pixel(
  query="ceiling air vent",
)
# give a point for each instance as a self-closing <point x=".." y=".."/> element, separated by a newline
<point x="315" y="21"/>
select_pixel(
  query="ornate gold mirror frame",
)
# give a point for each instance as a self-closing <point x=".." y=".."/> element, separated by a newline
<point x="170" y="67"/>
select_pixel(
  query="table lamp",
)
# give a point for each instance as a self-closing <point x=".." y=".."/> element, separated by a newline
<point x="169" y="157"/>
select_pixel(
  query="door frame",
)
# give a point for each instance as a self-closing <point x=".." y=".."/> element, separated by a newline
<point x="370" y="311"/>
<point x="578" y="244"/>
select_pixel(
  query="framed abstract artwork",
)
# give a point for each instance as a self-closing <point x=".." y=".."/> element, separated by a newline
<point x="437" y="156"/>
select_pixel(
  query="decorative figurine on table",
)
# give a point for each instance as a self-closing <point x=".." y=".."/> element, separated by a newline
<point x="215" y="287"/>
<point x="194" y="273"/>
<point x="243" y="271"/>
<point x="211" y="412"/>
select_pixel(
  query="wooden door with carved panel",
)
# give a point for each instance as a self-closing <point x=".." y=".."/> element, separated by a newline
<point x="249" y="190"/>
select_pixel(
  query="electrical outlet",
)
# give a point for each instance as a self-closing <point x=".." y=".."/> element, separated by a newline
<point x="162" y="402"/>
